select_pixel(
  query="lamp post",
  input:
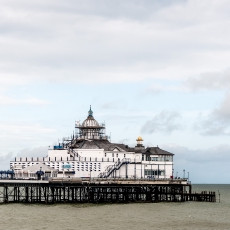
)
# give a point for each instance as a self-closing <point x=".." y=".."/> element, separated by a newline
<point x="183" y="173"/>
<point x="41" y="172"/>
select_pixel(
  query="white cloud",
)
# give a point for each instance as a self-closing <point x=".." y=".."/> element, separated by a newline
<point x="34" y="152"/>
<point x="204" y="165"/>
<point x="82" y="41"/>
<point x="166" y="86"/>
<point x="30" y="152"/>
<point x="210" y="81"/>
<point x="5" y="100"/>
<point x="17" y="130"/>
<point x="5" y="161"/>
<point x="217" y="122"/>
<point x="163" y="122"/>
<point x="15" y="136"/>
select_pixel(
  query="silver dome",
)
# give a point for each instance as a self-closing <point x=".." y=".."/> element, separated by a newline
<point x="90" y="122"/>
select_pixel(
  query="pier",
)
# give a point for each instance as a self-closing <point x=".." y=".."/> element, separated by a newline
<point x="99" y="191"/>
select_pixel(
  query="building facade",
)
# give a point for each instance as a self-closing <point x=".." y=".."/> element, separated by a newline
<point x="90" y="154"/>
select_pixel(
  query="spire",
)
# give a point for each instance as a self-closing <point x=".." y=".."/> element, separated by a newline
<point x="90" y="113"/>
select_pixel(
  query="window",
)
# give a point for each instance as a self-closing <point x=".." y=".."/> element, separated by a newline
<point x="154" y="158"/>
<point x="149" y="172"/>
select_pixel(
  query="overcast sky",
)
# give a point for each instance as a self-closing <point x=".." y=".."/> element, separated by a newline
<point x="155" y="68"/>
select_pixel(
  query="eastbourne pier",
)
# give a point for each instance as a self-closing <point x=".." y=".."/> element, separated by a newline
<point x="88" y="167"/>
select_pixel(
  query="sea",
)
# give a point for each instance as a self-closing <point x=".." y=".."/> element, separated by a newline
<point x="131" y="216"/>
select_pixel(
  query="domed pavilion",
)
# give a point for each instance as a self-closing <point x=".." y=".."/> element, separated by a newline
<point x="90" y="128"/>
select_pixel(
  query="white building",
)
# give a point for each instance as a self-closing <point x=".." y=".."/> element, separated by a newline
<point x="89" y="154"/>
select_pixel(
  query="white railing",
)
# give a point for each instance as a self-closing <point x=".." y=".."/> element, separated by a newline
<point x="111" y="168"/>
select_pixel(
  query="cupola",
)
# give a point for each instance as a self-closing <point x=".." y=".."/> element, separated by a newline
<point x="90" y="129"/>
<point x="139" y="142"/>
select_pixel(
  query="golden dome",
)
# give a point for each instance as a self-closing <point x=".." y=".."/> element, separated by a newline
<point x="139" y="139"/>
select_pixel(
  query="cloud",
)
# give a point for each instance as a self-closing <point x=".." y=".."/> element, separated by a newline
<point x="30" y="152"/>
<point x="108" y="9"/>
<point x="163" y="122"/>
<point x="5" y="161"/>
<point x="15" y="136"/>
<point x="34" y="152"/>
<point x="209" y="165"/>
<point x="165" y="86"/>
<point x="15" y="130"/>
<point x="5" y="100"/>
<point x="200" y="156"/>
<point x="210" y="81"/>
<point x="110" y="105"/>
<point x="110" y="41"/>
<point x="217" y="122"/>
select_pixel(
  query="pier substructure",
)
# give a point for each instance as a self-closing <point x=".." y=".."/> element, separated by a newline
<point x="57" y="192"/>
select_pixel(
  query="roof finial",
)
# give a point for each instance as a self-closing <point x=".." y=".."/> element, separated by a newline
<point x="90" y="112"/>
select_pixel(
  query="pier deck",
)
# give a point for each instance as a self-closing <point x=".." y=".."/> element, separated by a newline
<point x="99" y="191"/>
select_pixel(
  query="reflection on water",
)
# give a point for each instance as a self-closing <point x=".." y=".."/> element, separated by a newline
<point x="189" y="215"/>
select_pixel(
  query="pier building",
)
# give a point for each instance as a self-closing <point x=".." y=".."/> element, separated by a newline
<point x="90" y="154"/>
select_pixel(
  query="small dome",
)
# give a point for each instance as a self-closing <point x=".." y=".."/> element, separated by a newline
<point x="90" y="122"/>
<point x="139" y="139"/>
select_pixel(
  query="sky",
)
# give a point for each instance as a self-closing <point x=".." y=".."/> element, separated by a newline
<point x="152" y="68"/>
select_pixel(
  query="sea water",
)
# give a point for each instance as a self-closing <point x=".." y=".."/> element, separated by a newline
<point x="132" y="216"/>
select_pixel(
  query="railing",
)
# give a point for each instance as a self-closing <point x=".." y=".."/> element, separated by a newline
<point x="75" y="154"/>
<point x="111" y="168"/>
